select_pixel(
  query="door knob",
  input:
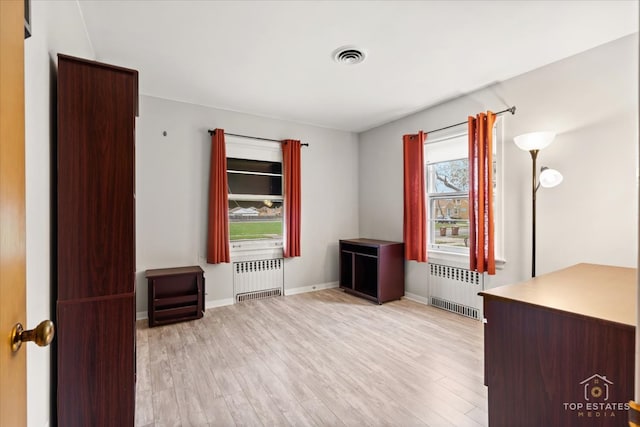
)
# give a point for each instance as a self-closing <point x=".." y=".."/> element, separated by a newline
<point x="41" y="335"/>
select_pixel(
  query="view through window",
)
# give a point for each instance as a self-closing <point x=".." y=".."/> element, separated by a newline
<point x="448" y="198"/>
<point x="255" y="200"/>
<point x="447" y="188"/>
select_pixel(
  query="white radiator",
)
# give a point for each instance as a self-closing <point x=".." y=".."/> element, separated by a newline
<point x="258" y="279"/>
<point x="456" y="289"/>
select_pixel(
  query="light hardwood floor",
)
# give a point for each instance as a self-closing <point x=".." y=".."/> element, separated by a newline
<point x="316" y="359"/>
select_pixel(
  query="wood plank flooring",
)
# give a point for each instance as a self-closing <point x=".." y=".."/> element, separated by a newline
<point x="323" y="358"/>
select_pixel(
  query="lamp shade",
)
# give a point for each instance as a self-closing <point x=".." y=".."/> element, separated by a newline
<point x="550" y="177"/>
<point x="534" y="140"/>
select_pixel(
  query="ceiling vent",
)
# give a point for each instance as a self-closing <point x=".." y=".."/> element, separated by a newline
<point x="348" y="55"/>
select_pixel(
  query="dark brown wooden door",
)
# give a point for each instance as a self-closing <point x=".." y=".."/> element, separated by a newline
<point x="96" y="243"/>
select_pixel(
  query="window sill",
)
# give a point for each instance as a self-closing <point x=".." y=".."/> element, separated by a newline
<point x="251" y="251"/>
<point x="456" y="260"/>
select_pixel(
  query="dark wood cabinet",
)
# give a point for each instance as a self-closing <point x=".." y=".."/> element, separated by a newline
<point x="373" y="269"/>
<point x="559" y="348"/>
<point x="95" y="286"/>
<point x="175" y="294"/>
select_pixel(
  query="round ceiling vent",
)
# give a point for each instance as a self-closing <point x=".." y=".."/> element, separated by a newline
<point x="348" y="55"/>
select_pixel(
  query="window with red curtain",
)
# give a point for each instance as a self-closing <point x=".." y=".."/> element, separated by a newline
<point x="447" y="183"/>
<point x="481" y="216"/>
<point x="218" y="215"/>
<point x="415" y="212"/>
<point x="292" y="197"/>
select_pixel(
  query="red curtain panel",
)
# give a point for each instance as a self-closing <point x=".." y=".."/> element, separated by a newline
<point x="292" y="197"/>
<point x="415" y="212"/>
<point x="218" y="227"/>
<point x="481" y="227"/>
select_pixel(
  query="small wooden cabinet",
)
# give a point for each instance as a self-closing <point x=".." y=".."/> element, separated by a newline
<point x="372" y="269"/>
<point x="175" y="294"/>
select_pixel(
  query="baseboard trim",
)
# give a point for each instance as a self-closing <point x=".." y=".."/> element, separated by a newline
<point x="312" y="288"/>
<point x="218" y="303"/>
<point x="416" y="298"/>
<point x="142" y="315"/>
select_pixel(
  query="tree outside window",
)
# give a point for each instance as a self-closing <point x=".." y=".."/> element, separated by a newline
<point x="448" y="195"/>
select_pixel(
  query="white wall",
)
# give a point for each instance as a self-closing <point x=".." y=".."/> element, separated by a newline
<point x="172" y="182"/>
<point x="591" y="100"/>
<point x="56" y="27"/>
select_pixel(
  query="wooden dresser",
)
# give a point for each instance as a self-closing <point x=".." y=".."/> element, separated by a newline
<point x="559" y="348"/>
<point x="95" y="286"/>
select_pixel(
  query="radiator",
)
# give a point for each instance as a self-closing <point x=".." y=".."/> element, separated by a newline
<point x="258" y="279"/>
<point x="456" y="289"/>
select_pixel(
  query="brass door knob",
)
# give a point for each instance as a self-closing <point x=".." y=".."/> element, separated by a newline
<point x="41" y="335"/>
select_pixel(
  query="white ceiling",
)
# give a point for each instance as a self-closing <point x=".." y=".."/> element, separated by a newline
<point x="273" y="58"/>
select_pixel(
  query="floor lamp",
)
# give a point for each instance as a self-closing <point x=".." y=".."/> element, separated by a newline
<point x="534" y="142"/>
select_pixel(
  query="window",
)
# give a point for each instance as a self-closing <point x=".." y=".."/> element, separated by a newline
<point x="448" y="204"/>
<point x="254" y="175"/>
<point x="447" y="187"/>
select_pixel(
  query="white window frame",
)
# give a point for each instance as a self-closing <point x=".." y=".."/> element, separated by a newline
<point x="244" y="148"/>
<point x="460" y="257"/>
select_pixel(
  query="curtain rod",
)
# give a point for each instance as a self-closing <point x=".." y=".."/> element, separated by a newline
<point x="511" y="110"/>
<point x="212" y="131"/>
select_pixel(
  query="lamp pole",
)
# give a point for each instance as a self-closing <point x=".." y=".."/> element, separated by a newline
<point x="534" y="155"/>
<point x="533" y="142"/>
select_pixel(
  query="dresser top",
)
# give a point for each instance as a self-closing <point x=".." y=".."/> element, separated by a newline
<point x="598" y="291"/>
<point x="173" y="271"/>
<point x="369" y="242"/>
